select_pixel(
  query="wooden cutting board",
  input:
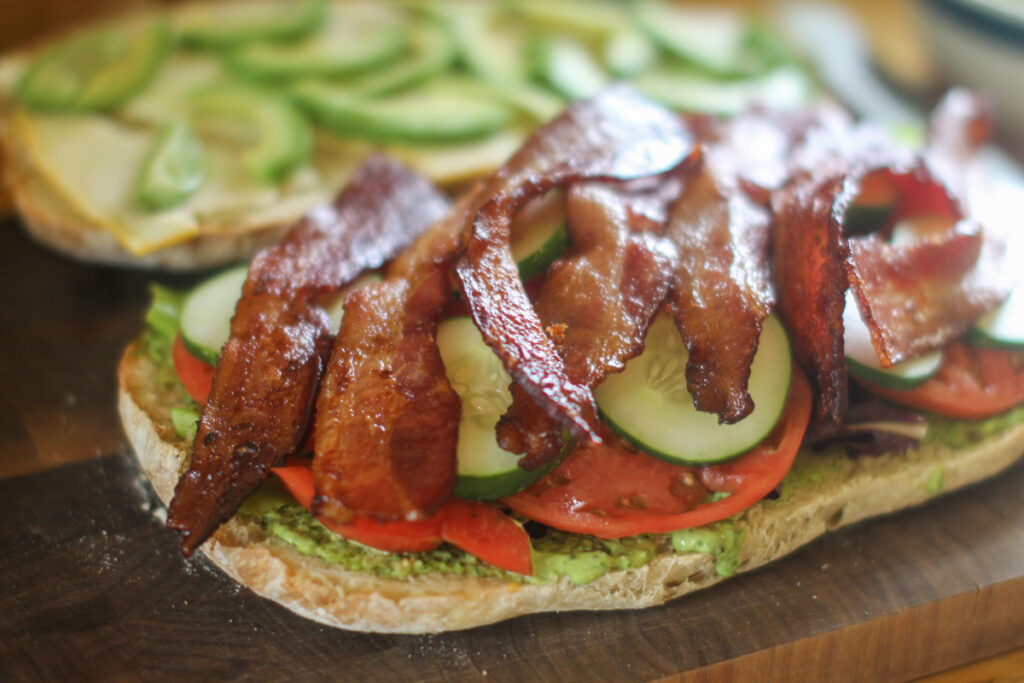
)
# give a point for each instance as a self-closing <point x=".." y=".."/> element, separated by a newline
<point x="93" y="589"/>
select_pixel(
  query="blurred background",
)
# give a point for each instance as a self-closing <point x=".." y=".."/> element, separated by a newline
<point x="918" y="46"/>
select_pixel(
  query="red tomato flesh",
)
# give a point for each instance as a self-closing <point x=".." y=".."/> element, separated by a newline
<point x="972" y="382"/>
<point x="480" y="529"/>
<point x="610" y="493"/>
<point x="196" y="375"/>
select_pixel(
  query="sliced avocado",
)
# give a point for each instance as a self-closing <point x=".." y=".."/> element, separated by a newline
<point x="567" y="66"/>
<point x="491" y="41"/>
<point x="429" y="51"/>
<point x="712" y="39"/>
<point x="355" y="38"/>
<point x="278" y="138"/>
<point x="687" y="89"/>
<point x="430" y="116"/>
<point x="174" y="169"/>
<point x="96" y="70"/>
<point x="580" y="18"/>
<point x="229" y="24"/>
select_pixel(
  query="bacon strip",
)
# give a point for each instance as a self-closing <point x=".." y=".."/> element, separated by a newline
<point x="721" y="292"/>
<point x="913" y="296"/>
<point x="387" y="417"/>
<point x="269" y="370"/>
<point x="918" y="296"/>
<point x="617" y="135"/>
<point x="810" y="281"/>
<point x="601" y="297"/>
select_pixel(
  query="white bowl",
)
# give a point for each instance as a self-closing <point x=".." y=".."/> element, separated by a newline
<point x="980" y="44"/>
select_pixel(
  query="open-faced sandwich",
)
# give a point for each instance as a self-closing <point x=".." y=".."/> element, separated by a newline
<point x="192" y="137"/>
<point x="613" y="372"/>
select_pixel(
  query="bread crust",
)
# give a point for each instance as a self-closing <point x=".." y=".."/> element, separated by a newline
<point x="844" y="491"/>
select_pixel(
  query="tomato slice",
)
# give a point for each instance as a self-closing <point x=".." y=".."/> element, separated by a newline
<point x="480" y="529"/>
<point x="398" y="536"/>
<point x="611" y="494"/>
<point x="196" y="375"/>
<point x="972" y="382"/>
<point x="486" y="532"/>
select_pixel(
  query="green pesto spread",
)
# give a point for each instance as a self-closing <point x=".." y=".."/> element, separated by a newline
<point x="585" y="558"/>
<point x="960" y="434"/>
<point x="580" y="558"/>
<point x="720" y="540"/>
<point x="935" y="481"/>
<point x="812" y="468"/>
<point x="280" y="516"/>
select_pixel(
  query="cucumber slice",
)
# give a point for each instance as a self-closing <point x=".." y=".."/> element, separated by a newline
<point x="862" y="359"/>
<point x="413" y="117"/>
<point x="872" y="207"/>
<point x="208" y="309"/>
<point x="97" y="70"/>
<point x="568" y="67"/>
<point x="229" y="24"/>
<point x="1004" y="326"/>
<point x="648" y="402"/>
<point x="485" y="470"/>
<point x="354" y="39"/>
<point x="207" y="312"/>
<point x="174" y="170"/>
<point x="279" y="137"/>
<point x="539" y="235"/>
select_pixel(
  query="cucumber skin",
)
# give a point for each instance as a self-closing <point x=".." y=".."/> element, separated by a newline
<point x="978" y="337"/>
<point x="763" y="387"/>
<point x="538" y="261"/>
<point x="198" y="349"/>
<point x="864" y="219"/>
<point x="685" y="462"/>
<point x="884" y="379"/>
<point x="981" y="333"/>
<point x="497" y="486"/>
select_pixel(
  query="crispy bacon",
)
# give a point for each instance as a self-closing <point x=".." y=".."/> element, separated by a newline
<point x="617" y="135"/>
<point x="721" y="292"/>
<point x="387" y="417"/>
<point x="914" y="296"/>
<point x="269" y="370"/>
<point x="601" y="296"/>
<point x="807" y="262"/>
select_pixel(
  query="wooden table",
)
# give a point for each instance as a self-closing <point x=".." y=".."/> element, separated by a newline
<point x="93" y="587"/>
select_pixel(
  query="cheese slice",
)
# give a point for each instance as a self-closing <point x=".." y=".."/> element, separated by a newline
<point x="167" y="97"/>
<point x="93" y="163"/>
